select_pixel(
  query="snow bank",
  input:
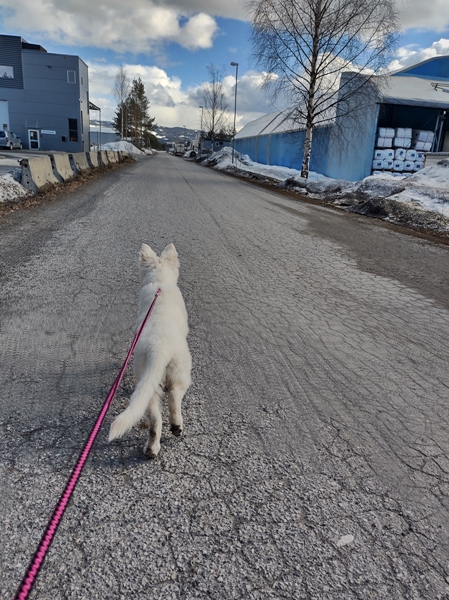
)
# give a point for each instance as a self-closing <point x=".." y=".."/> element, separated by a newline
<point x="427" y="189"/>
<point x="10" y="189"/>
<point x="122" y="146"/>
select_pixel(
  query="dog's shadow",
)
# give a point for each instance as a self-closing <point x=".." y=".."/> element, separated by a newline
<point x="127" y="453"/>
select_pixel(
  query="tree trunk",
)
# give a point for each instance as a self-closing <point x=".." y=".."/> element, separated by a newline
<point x="307" y="152"/>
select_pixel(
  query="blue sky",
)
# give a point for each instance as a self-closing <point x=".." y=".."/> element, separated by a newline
<point x="169" y="43"/>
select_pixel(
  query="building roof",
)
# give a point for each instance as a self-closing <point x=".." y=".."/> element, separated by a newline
<point x="276" y="122"/>
<point x="415" y="91"/>
<point x="432" y="68"/>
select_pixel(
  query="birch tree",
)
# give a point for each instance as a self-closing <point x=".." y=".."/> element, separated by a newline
<point x="304" y="46"/>
<point x="215" y="119"/>
<point x="122" y="87"/>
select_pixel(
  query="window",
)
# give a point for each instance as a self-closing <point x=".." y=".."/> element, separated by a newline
<point x="73" y="130"/>
<point x="71" y="77"/>
<point x="6" y="72"/>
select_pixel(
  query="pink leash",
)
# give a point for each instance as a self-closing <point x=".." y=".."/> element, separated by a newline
<point x="47" y="538"/>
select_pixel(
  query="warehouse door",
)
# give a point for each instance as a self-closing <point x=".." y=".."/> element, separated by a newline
<point x="33" y="139"/>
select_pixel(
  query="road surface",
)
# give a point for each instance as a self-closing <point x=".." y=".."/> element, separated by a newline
<point x="315" y="458"/>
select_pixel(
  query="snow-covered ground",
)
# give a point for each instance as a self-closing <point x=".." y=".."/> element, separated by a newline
<point x="427" y="189"/>
<point x="10" y="189"/>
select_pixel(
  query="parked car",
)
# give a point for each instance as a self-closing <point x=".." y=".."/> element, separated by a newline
<point x="8" y="139"/>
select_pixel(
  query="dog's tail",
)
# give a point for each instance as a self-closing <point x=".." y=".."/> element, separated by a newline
<point x="145" y="390"/>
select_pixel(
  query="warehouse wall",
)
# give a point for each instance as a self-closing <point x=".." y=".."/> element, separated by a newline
<point x="351" y="145"/>
<point x="286" y="149"/>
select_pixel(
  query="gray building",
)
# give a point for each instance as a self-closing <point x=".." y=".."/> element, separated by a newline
<point x="44" y="97"/>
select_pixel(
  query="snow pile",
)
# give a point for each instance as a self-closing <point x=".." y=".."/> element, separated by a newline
<point x="10" y="189"/>
<point x="222" y="160"/>
<point x="122" y="146"/>
<point x="427" y="189"/>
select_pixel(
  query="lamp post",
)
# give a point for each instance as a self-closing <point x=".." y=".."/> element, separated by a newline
<point x="201" y="132"/>
<point x="236" y="65"/>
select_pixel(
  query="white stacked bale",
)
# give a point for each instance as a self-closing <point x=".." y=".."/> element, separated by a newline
<point x="421" y="135"/>
<point x="403" y="132"/>
<point x="377" y="163"/>
<point x="398" y="165"/>
<point x="422" y="140"/>
<point x="402" y="137"/>
<point x="379" y="154"/>
<point x="400" y="153"/>
<point x="418" y="165"/>
<point x="410" y="155"/>
<point x="385" y="137"/>
<point x="409" y="165"/>
<point x="384" y="142"/>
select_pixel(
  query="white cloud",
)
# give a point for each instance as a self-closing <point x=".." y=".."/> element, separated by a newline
<point x="131" y="26"/>
<point x="418" y="14"/>
<point x="411" y="55"/>
<point x="170" y="103"/>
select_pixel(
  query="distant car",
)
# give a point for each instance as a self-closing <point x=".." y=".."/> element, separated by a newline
<point x="8" y="139"/>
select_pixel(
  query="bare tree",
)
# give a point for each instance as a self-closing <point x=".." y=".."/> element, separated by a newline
<point x="122" y="88"/>
<point x="304" y="46"/>
<point x="215" y="119"/>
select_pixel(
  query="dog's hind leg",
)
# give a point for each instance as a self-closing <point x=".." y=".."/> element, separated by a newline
<point x="178" y="381"/>
<point x="175" y="395"/>
<point x="154" y="420"/>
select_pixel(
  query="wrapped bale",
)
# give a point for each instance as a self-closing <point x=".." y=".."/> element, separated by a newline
<point x="403" y="132"/>
<point x="421" y="135"/>
<point x="384" y="142"/>
<point x="379" y="154"/>
<point x="386" y="132"/>
<point x="421" y="146"/>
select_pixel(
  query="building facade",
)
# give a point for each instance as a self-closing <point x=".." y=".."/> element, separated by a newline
<point x="44" y="97"/>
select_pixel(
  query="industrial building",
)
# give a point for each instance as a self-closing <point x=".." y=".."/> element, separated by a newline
<point x="44" y="97"/>
<point x="407" y="120"/>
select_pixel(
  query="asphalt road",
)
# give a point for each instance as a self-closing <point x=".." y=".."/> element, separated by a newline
<point x="315" y="458"/>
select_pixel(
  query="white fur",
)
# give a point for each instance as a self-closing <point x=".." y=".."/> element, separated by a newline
<point x="161" y="357"/>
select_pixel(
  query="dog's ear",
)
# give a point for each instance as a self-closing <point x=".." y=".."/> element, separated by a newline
<point x="170" y="256"/>
<point x="147" y="256"/>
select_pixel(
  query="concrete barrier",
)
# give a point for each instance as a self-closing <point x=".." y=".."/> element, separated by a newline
<point x="103" y="158"/>
<point x="80" y="160"/>
<point x="111" y="156"/>
<point x="37" y="173"/>
<point x="61" y="167"/>
<point x="92" y="159"/>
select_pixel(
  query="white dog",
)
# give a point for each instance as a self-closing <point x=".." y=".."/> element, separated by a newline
<point x="161" y="358"/>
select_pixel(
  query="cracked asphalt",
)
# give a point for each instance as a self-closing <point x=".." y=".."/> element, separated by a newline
<point x="315" y="458"/>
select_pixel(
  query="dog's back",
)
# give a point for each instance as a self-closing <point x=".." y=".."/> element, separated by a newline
<point x="162" y="355"/>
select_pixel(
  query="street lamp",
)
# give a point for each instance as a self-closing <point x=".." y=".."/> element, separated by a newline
<point x="201" y="132"/>
<point x="236" y="65"/>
